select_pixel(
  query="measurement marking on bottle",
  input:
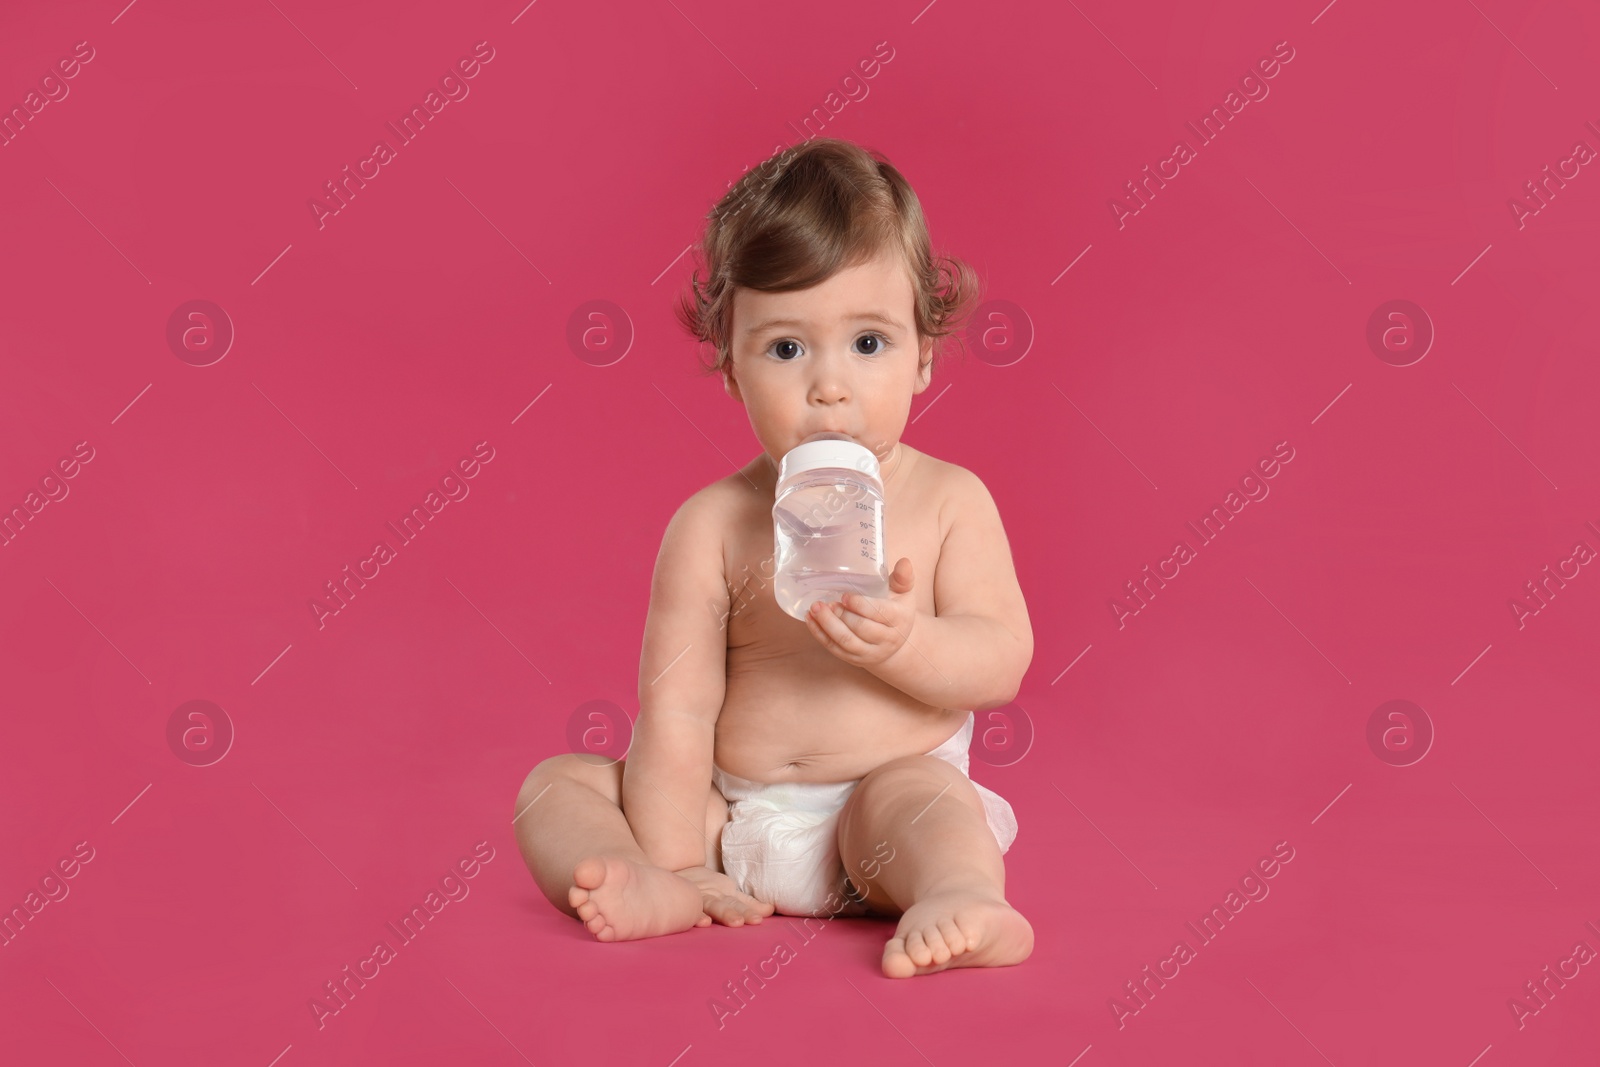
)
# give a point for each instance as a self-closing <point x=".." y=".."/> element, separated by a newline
<point x="812" y="534"/>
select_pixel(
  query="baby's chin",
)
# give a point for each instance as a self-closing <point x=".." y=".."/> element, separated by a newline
<point x="778" y="443"/>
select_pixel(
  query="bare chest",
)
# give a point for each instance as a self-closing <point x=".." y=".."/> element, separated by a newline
<point x="792" y="709"/>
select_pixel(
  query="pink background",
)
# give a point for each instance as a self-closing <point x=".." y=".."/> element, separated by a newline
<point x="371" y="354"/>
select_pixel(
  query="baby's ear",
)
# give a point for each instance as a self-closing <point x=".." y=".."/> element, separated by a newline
<point x="924" y="367"/>
<point x="729" y="384"/>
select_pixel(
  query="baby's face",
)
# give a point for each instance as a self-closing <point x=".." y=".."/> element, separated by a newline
<point x="843" y="355"/>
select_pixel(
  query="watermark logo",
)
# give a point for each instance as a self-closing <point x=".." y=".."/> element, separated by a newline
<point x="1002" y="736"/>
<point x="1000" y="333"/>
<point x="1541" y="190"/>
<point x="1399" y="332"/>
<point x="750" y="185"/>
<point x="1253" y="888"/>
<point x="599" y="728"/>
<point x="1542" y="590"/>
<point x="1253" y="487"/>
<point x="1253" y="88"/>
<point x="338" y="595"/>
<point x="737" y="996"/>
<point x="599" y="332"/>
<point x="15" y="518"/>
<point x="454" y="887"/>
<point x="339" y="193"/>
<point x="199" y="332"/>
<point x="53" y="889"/>
<point x="52" y="90"/>
<point x="1539" y="992"/>
<point x="1399" y="732"/>
<point x="199" y="733"/>
<point x="853" y="88"/>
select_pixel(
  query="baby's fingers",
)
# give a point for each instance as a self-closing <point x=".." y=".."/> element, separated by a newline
<point x="891" y="616"/>
<point x="842" y="628"/>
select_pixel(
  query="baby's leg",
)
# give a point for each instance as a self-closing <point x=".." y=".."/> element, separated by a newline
<point x="582" y="853"/>
<point x="913" y="835"/>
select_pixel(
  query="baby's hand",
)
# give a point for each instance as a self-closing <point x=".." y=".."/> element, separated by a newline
<point x="866" y="630"/>
<point x="722" y="899"/>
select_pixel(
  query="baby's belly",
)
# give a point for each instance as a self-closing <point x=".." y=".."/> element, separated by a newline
<point x="795" y="718"/>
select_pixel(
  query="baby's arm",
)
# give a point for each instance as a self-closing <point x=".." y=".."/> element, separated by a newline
<point x="666" y="778"/>
<point x="973" y="650"/>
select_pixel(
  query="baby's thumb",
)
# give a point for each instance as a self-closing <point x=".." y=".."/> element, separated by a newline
<point x="901" y="578"/>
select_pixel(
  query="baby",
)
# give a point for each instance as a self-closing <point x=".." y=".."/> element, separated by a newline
<point x="815" y="767"/>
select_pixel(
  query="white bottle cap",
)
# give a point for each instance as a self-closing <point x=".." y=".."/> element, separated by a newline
<point x="828" y="450"/>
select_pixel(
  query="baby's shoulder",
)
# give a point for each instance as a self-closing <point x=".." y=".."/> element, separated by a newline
<point x="710" y="505"/>
<point x="947" y="484"/>
<point x="956" y="495"/>
<point x="723" y="506"/>
<point x="941" y="471"/>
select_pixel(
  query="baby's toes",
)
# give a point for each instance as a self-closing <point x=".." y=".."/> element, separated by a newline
<point x="918" y="949"/>
<point x="727" y="911"/>
<point x="936" y="944"/>
<point x="953" y="937"/>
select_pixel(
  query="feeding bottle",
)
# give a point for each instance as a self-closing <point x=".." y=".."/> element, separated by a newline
<point x="827" y="523"/>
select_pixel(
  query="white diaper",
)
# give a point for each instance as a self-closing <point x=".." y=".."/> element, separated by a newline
<point x="781" y="845"/>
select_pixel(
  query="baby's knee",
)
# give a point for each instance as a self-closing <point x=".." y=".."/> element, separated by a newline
<point x="912" y="780"/>
<point x="907" y="772"/>
<point x="604" y="778"/>
<point x="538" y="779"/>
<point x="542" y="771"/>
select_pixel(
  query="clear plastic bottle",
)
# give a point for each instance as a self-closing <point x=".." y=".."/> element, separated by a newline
<point x="827" y="523"/>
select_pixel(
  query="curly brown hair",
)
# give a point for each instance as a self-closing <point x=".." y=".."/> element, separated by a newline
<point x="805" y="213"/>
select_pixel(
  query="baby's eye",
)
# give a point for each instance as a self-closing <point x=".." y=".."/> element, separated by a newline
<point x="879" y="342"/>
<point x="787" y="349"/>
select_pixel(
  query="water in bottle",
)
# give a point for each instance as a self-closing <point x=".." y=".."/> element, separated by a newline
<point x="827" y="522"/>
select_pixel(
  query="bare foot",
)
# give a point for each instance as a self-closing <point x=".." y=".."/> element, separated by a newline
<point x="721" y="900"/>
<point x="619" y="900"/>
<point x="957" y="929"/>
